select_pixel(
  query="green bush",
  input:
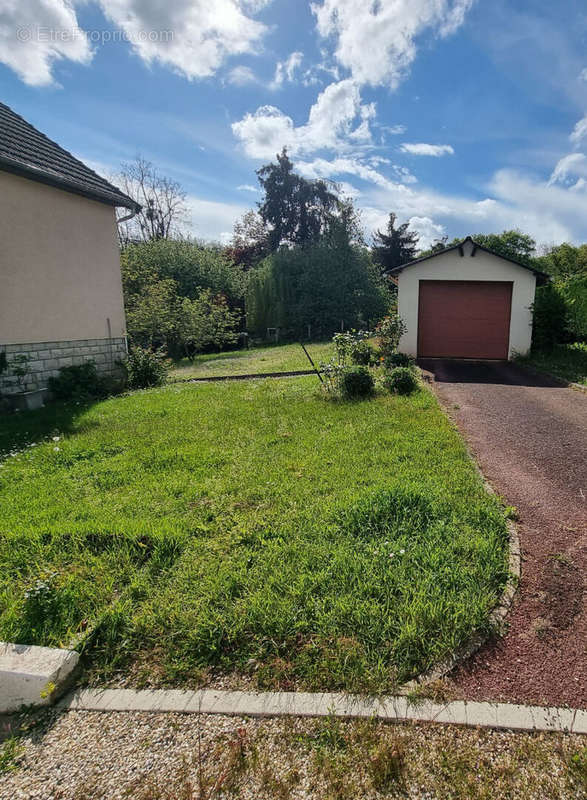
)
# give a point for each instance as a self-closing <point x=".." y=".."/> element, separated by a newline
<point x="356" y="382"/>
<point x="146" y="368"/>
<point x="401" y="380"/>
<point x="362" y="353"/>
<point x="77" y="382"/>
<point x="550" y="317"/>
<point x="399" y="360"/>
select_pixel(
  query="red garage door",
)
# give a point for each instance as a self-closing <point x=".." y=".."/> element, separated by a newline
<point x="464" y="319"/>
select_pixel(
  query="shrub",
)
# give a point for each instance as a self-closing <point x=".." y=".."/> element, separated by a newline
<point x="401" y="380"/>
<point x="399" y="360"/>
<point x="146" y="368"/>
<point x="362" y="353"/>
<point x="550" y="317"/>
<point x="389" y="332"/>
<point x="356" y="382"/>
<point x="77" y="382"/>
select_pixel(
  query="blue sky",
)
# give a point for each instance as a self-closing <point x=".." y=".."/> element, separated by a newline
<point x="461" y="116"/>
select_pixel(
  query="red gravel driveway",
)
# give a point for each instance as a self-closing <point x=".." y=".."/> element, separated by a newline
<point x="529" y="436"/>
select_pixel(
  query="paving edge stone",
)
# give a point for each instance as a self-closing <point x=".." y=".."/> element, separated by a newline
<point x="505" y="716"/>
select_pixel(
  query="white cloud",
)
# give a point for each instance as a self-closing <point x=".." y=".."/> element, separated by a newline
<point x="247" y="187"/>
<point x="583" y="75"/>
<point x="376" y="41"/>
<point x="573" y="164"/>
<point x="421" y="149"/>
<point x="331" y="124"/>
<point x="27" y="45"/>
<point x="286" y="70"/>
<point x="265" y="132"/>
<point x="193" y="37"/>
<point x="514" y="199"/>
<point x="394" y="130"/>
<point x="579" y="131"/>
<point x="404" y="174"/>
<point x="203" y="34"/>
<point x="427" y="230"/>
<point x="213" y="221"/>
<point x="241" y="76"/>
<point x="351" y="165"/>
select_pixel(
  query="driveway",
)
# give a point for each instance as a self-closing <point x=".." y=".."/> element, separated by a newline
<point x="529" y="436"/>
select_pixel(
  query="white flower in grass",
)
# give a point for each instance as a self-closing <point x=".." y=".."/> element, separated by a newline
<point x="401" y="552"/>
<point x="391" y="555"/>
<point x="56" y="449"/>
<point x="56" y="438"/>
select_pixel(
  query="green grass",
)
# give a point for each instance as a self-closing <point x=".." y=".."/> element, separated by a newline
<point x="567" y="361"/>
<point x="248" y="527"/>
<point x="257" y="360"/>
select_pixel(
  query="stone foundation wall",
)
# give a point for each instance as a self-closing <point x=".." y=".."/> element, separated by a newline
<point x="47" y="358"/>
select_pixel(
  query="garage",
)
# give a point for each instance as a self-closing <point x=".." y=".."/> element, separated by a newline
<point x="466" y="301"/>
<point x="464" y="319"/>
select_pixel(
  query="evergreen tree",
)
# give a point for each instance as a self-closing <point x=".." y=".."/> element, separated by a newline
<point x="296" y="211"/>
<point x="395" y="246"/>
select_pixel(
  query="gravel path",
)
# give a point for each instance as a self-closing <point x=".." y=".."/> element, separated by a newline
<point x="529" y="437"/>
<point x="150" y="756"/>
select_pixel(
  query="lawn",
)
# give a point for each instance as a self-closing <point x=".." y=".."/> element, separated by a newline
<point x="250" y="528"/>
<point x="257" y="360"/>
<point x="567" y="361"/>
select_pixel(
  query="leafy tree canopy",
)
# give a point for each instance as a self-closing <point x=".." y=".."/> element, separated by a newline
<point x="512" y="244"/>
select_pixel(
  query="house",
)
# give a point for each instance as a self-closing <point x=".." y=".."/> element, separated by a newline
<point x="60" y="284"/>
<point x="466" y="302"/>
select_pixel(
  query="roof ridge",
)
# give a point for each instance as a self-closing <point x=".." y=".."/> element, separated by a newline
<point x="459" y="246"/>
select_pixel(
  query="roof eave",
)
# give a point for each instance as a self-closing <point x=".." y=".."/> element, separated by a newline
<point x="15" y="167"/>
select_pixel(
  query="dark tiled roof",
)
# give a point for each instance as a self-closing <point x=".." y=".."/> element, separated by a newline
<point x="26" y="151"/>
<point x="459" y="246"/>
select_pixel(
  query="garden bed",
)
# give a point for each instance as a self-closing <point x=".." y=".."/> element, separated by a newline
<point x="251" y="528"/>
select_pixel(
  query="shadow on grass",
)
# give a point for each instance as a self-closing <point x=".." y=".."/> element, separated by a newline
<point x="18" y="429"/>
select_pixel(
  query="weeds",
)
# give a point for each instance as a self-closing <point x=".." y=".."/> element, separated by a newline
<point x="10" y="752"/>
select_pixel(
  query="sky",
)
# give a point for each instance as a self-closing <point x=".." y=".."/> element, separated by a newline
<point x="461" y="116"/>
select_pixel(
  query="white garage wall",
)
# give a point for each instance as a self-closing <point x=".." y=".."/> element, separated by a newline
<point x="450" y="266"/>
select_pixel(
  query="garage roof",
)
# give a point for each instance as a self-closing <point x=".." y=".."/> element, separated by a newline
<point x="27" y="152"/>
<point x="542" y="276"/>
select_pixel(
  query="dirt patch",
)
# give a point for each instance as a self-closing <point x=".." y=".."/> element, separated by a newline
<point x="562" y="591"/>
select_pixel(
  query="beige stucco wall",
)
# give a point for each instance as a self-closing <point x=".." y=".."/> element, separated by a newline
<point x="59" y="265"/>
<point x="482" y="267"/>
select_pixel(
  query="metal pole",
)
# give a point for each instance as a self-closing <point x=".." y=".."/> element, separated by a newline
<point x="312" y="363"/>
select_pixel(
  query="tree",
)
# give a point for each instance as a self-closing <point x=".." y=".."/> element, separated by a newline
<point x="191" y="265"/>
<point x="395" y="246"/>
<point x="295" y="210"/>
<point x="207" y="323"/>
<point x="152" y="320"/>
<point x="250" y="241"/>
<point x="162" y="201"/>
<point x="320" y="285"/>
<point x="511" y="244"/>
